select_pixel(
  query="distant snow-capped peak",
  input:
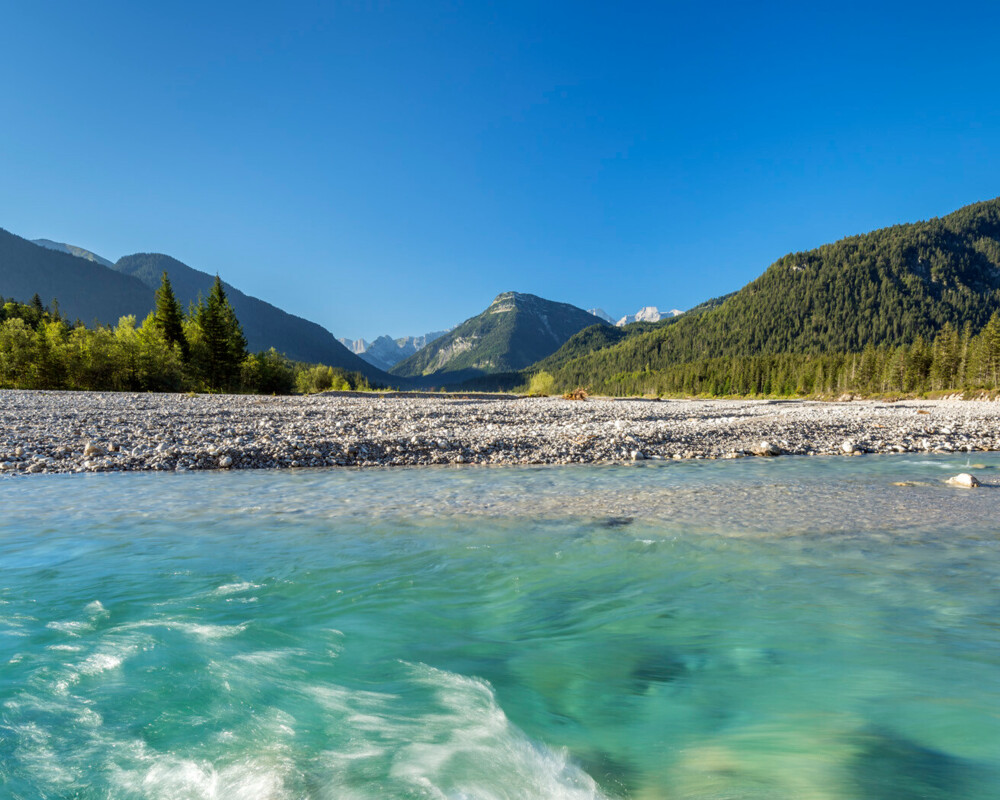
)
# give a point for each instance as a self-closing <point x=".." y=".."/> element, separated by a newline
<point x="648" y="314"/>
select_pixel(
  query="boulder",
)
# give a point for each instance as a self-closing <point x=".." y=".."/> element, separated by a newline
<point x="767" y="449"/>
<point x="92" y="449"/>
<point x="965" y="480"/>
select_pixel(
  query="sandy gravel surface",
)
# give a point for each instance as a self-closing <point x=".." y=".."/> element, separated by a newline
<point x="78" y="431"/>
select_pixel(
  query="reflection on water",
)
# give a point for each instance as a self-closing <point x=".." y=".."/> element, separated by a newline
<point x="797" y="628"/>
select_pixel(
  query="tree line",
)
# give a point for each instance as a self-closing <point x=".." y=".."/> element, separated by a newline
<point x="202" y="350"/>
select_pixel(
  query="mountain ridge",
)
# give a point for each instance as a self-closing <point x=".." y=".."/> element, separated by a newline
<point x="514" y="331"/>
<point x="886" y="288"/>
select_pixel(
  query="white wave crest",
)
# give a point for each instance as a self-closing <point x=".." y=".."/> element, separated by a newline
<point x="235" y="588"/>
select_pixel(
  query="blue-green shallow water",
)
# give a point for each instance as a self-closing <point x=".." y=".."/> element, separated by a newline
<point x="795" y="628"/>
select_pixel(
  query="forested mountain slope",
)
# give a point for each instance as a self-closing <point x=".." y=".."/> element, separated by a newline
<point x="883" y="288"/>
<point x="514" y="331"/>
<point x="85" y="289"/>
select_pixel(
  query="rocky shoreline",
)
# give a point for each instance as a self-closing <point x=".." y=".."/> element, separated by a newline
<point x="52" y="432"/>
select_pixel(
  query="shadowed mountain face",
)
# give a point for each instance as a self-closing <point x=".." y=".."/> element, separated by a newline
<point x="263" y="324"/>
<point x="515" y="331"/>
<point x="85" y="289"/>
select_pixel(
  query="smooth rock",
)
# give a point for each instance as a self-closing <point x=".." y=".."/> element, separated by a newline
<point x="225" y="462"/>
<point x="848" y="447"/>
<point x="767" y="449"/>
<point x="92" y="449"/>
<point x="965" y="480"/>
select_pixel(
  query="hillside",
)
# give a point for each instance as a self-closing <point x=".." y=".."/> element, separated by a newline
<point x="884" y="288"/>
<point x="264" y="325"/>
<point x="514" y="331"/>
<point x="85" y="289"/>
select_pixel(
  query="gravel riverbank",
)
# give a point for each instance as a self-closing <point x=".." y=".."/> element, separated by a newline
<point x="45" y="432"/>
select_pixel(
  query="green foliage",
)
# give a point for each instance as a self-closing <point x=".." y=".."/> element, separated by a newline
<point x="168" y="316"/>
<point x="39" y="350"/>
<point x="542" y="384"/>
<point x="268" y="373"/>
<point x="326" y="379"/>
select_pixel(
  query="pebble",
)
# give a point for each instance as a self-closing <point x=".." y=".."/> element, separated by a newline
<point x="164" y="431"/>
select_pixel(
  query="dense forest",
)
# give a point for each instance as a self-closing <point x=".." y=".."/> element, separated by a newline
<point x="201" y="350"/>
<point x="953" y="361"/>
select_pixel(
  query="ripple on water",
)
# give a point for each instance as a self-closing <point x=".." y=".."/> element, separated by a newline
<point x="798" y="628"/>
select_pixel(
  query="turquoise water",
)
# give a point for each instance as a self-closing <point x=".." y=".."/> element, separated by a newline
<point x="789" y="628"/>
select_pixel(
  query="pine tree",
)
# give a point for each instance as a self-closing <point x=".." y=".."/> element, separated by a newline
<point x="168" y="316"/>
<point x="222" y="345"/>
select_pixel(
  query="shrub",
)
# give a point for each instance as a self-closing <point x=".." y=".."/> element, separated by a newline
<point x="542" y="384"/>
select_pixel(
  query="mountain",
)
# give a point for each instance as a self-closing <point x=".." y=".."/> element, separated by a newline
<point x="884" y="288"/>
<point x="647" y="314"/>
<point x="73" y="250"/>
<point x="513" y="332"/>
<point x="601" y="314"/>
<point x="264" y="325"/>
<point x="356" y="346"/>
<point x="385" y="352"/>
<point x="85" y="289"/>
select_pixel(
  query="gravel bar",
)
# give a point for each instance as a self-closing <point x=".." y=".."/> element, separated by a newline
<point x="47" y="432"/>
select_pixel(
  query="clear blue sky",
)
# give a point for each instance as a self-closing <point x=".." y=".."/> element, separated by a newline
<point x="385" y="167"/>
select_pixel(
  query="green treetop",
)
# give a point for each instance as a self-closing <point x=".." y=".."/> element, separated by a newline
<point x="168" y="316"/>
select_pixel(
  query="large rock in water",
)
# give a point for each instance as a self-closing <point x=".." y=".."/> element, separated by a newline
<point x="965" y="480"/>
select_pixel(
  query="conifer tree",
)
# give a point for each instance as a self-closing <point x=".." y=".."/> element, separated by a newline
<point x="222" y="346"/>
<point x="168" y="316"/>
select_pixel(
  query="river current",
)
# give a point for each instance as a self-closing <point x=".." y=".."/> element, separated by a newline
<point x="797" y="628"/>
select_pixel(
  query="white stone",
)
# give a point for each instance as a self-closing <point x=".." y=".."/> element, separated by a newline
<point x="226" y="462"/>
<point x="847" y="447"/>
<point x="92" y="449"/>
<point x="965" y="480"/>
